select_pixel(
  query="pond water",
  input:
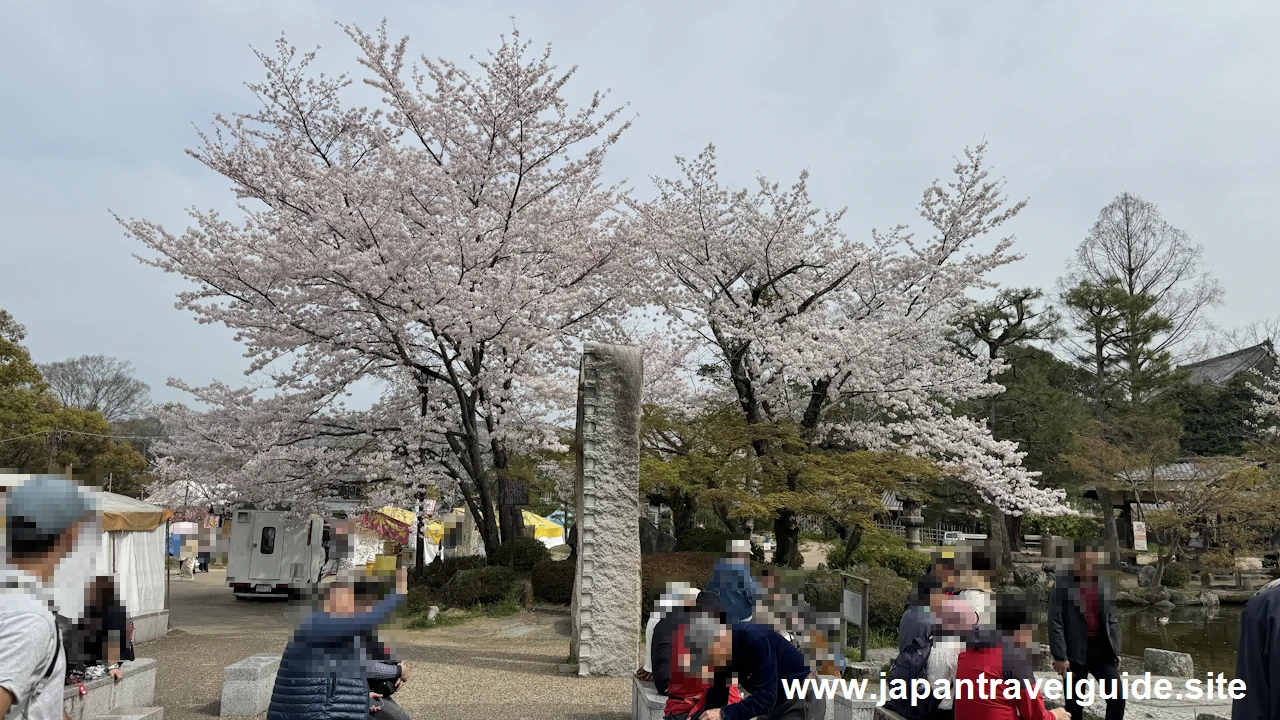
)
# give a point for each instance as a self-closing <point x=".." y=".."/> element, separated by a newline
<point x="1210" y="638"/>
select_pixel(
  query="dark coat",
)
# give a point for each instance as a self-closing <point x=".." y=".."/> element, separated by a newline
<point x="1256" y="662"/>
<point x="916" y="623"/>
<point x="1068" y="633"/>
<point x="321" y="675"/>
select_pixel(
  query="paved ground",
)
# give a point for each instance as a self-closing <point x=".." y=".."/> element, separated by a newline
<point x="500" y="667"/>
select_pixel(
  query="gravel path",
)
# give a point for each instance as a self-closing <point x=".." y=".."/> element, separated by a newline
<point x="487" y="668"/>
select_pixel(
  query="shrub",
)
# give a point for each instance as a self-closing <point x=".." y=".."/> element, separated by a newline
<point x="479" y="586"/>
<point x="881" y="549"/>
<point x="889" y="595"/>
<point x="418" y="600"/>
<point x="824" y="591"/>
<point x="1176" y="575"/>
<point x="661" y="568"/>
<point x="553" y="581"/>
<point x="439" y="572"/>
<point x="1215" y="562"/>
<point x="520" y="554"/>
<point x="1066" y="526"/>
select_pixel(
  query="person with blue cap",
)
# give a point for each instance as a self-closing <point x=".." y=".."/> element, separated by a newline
<point x="44" y="517"/>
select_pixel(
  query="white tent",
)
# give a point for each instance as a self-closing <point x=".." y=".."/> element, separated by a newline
<point x="127" y="544"/>
<point x="133" y="551"/>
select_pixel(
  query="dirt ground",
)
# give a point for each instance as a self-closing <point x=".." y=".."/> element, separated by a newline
<point x="496" y="667"/>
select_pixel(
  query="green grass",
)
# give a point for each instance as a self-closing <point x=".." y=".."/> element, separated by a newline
<point x="879" y="638"/>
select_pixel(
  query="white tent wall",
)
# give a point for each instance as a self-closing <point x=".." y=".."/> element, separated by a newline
<point x="139" y="569"/>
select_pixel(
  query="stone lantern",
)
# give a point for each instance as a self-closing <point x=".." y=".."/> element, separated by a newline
<point x="912" y="520"/>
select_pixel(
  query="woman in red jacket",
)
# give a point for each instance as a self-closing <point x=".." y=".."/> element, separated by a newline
<point x="994" y="656"/>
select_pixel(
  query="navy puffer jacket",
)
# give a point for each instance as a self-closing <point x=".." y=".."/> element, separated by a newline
<point x="321" y="676"/>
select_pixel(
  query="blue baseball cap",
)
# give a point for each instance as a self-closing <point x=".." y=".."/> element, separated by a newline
<point x="45" y="506"/>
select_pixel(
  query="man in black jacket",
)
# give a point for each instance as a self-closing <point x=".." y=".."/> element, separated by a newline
<point x="1084" y="630"/>
<point x="1256" y="662"/>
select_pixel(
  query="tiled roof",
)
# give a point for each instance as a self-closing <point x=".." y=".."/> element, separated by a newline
<point x="1218" y="371"/>
<point x="890" y="501"/>
<point x="1200" y="470"/>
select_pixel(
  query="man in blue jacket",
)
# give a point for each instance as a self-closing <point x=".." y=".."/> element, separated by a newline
<point x="322" y="676"/>
<point x="731" y="580"/>
<point x="762" y="660"/>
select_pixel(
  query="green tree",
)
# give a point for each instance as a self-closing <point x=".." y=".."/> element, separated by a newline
<point x="1217" y="421"/>
<point x="1004" y="330"/>
<point x="38" y="432"/>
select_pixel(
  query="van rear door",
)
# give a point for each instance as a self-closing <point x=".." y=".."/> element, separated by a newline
<point x="265" y="547"/>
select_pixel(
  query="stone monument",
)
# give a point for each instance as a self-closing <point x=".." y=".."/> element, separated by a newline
<point x="606" y="596"/>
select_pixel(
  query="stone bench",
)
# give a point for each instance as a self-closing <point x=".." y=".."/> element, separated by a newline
<point x="105" y="697"/>
<point x="646" y="702"/>
<point x="150" y="626"/>
<point x="247" y="685"/>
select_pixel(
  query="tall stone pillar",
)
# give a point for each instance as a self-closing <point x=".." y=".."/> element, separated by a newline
<point x="606" y="596"/>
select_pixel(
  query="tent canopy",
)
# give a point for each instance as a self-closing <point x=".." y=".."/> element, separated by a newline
<point x="125" y="513"/>
<point x="542" y="527"/>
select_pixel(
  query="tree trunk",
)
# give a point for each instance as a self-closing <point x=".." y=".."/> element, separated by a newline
<point x="1110" y="536"/>
<point x="1013" y="526"/>
<point x="787" y="532"/>
<point x="998" y="539"/>
<point x="852" y="537"/>
<point x="420" y="542"/>
<point x="684" y="510"/>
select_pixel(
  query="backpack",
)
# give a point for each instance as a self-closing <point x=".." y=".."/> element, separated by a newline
<point x="911" y="664"/>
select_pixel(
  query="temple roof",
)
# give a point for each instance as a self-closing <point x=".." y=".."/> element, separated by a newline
<point x="1220" y="370"/>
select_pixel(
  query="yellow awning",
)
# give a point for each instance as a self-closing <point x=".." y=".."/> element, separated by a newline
<point x="400" y="515"/>
<point x="542" y="527"/>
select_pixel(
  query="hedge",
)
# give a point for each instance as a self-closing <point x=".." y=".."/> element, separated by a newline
<point x="479" y="586"/>
<point x="553" y="581"/>
<point x="659" y="569"/>
<point x="520" y="554"/>
<point x="439" y="572"/>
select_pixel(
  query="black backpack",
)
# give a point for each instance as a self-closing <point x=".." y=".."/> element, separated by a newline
<point x="911" y="664"/>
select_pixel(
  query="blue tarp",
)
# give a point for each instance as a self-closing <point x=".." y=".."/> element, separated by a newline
<point x="558" y="517"/>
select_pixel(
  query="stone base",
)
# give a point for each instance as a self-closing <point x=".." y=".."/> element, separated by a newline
<point x="247" y="685"/>
<point x="150" y="626"/>
<point x="840" y="708"/>
<point x="646" y="702"/>
<point x="135" y="691"/>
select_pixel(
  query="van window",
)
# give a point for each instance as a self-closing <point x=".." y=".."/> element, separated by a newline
<point x="268" y="544"/>
<point x="242" y="517"/>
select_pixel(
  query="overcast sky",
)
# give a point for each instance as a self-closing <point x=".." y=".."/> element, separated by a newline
<point x="1174" y="101"/>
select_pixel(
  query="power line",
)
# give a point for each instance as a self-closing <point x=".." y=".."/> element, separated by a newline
<point x="77" y="432"/>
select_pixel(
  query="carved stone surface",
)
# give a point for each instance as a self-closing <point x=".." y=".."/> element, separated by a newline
<point x="606" y="596"/>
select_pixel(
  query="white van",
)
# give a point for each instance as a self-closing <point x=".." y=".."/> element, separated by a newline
<point x="269" y="557"/>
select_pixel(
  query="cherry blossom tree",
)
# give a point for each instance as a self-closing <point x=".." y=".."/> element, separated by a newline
<point x="846" y="340"/>
<point x="451" y="246"/>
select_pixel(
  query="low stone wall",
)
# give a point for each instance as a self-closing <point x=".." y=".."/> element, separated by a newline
<point x="646" y="702"/>
<point x="135" y="691"/>
<point x="247" y="685"/>
<point x="150" y="626"/>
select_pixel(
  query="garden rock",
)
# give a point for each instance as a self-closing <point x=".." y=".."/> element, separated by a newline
<point x="1125" y="598"/>
<point x="1147" y="576"/>
<point x="1157" y="594"/>
<point x="1167" y="663"/>
<point x="1208" y="599"/>
<point x="1164" y="605"/>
